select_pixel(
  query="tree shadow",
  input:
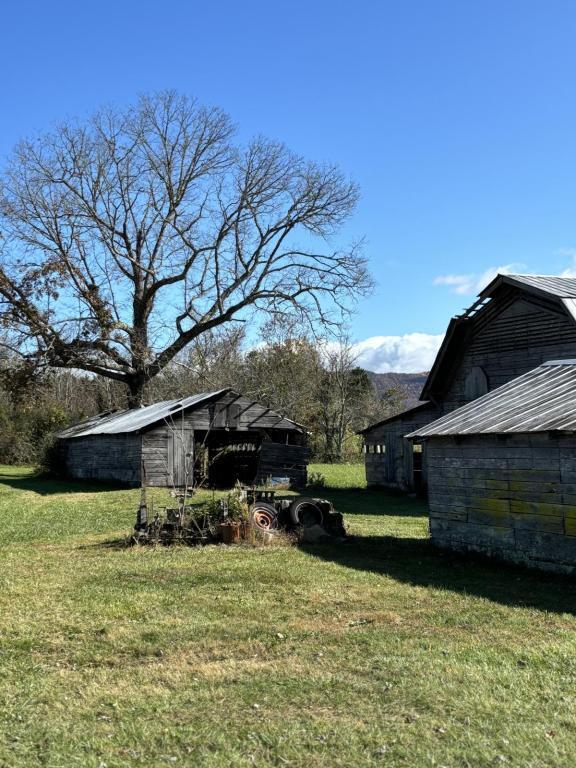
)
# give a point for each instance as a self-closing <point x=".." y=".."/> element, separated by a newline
<point x="45" y="485"/>
<point x="418" y="563"/>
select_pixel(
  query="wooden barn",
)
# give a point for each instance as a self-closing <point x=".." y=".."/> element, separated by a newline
<point x="517" y="323"/>
<point x="215" y="437"/>
<point x="391" y="459"/>
<point x="502" y="471"/>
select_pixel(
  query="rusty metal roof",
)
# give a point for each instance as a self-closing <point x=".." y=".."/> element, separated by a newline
<point x="542" y="400"/>
<point x="115" y="422"/>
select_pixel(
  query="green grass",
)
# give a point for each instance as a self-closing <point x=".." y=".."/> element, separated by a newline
<point x="379" y="651"/>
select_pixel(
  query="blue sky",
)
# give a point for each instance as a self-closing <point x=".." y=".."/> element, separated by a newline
<point x="457" y="119"/>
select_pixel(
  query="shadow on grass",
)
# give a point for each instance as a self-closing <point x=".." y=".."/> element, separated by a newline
<point x="45" y="485"/>
<point x="419" y="563"/>
<point x="125" y="542"/>
<point x="371" y="501"/>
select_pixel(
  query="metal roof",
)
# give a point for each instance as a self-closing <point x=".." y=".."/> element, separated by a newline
<point x="113" y="423"/>
<point x="561" y="287"/>
<point x="561" y="290"/>
<point x="542" y="400"/>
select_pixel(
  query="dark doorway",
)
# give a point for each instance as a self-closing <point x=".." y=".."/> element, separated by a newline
<point x="418" y="468"/>
<point x="233" y="458"/>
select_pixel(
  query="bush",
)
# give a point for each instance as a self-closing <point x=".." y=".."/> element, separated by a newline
<point x="316" y="480"/>
<point x="49" y="459"/>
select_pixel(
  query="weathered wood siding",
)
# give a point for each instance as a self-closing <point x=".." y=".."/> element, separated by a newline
<point x="513" y="497"/>
<point x="168" y="454"/>
<point x="237" y="413"/>
<point x="103" y="457"/>
<point x="166" y="449"/>
<point x="508" y="341"/>
<point x="278" y="460"/>
<point x="393" y="468"/>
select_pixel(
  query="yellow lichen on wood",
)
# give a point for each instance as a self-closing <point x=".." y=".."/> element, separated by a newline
<point x="490" y="505"/>
<point x="537" y="508"/>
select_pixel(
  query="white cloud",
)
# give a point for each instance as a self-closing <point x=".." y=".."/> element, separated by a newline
<point x="471" y="284"/>
<point x="410" y="353"/>
<point x="461" y="284"/>
<point x="569" y="253"/>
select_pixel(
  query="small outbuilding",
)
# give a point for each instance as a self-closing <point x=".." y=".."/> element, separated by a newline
<point x="502" y="471"/>
<point x="216" y="437"/>
<point x="392" y="461"/>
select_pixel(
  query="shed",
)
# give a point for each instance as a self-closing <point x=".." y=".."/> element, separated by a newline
<point x="502" y="471"/>
<point x="216" y="437"/>
<point x="391" y="461"/>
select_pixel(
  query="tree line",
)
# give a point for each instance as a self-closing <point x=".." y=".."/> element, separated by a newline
<point x="316" y="384"/>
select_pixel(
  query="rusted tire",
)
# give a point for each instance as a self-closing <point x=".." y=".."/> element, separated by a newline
<point x="263" y="516"/>
<point x="305" y="512"/>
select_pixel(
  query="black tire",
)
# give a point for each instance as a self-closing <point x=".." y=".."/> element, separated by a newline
<point x="263" y="516"/>
<point x="305" y="512"/>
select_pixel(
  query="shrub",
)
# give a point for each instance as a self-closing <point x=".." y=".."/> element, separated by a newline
<point x="316" y="480"/>
<point x="49" y="461"/>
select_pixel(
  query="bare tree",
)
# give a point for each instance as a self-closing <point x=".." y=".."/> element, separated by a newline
<point x="343" y="396"/>
<point x="127" y="237"/>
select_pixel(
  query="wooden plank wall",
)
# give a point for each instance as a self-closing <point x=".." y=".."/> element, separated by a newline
<point x="251" y="417"/>
<point x="393" y="469"/>
<point x="513" y="497"/>
<point x="103" y="457"/>
<point x="527" y="333"/>
<point x="156" y="456"/>
<point x="278" y="460"/>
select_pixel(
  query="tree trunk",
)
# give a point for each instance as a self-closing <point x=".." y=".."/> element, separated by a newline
<point x="136" y="391"/>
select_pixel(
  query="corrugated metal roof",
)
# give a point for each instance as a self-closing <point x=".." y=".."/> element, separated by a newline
<point x="562" y="290"/>
<point x="561" y="287"/>
<point x="542" y="400"/>
<point x="133" y="420"/>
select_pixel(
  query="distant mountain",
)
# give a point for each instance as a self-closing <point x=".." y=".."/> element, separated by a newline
<point x="410" y="383"/>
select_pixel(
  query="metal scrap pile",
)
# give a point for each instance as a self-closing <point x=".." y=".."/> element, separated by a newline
<point x="311" y="519"/>
<point x="243" y="514"/>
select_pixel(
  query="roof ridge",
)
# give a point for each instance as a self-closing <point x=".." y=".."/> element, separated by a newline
<point x="534" y="274"/>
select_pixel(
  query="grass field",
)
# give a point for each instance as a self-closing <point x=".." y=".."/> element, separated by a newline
<point x="379" y="651"/>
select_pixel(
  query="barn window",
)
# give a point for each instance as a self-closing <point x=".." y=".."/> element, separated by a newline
<point x="373" y="448"/>
<point x="417" y="448"/>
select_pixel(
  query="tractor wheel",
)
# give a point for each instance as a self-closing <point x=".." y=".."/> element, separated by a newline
<point x="263" y="516"/>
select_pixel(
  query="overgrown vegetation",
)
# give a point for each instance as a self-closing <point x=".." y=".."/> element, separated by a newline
<point x="380" y="651"/>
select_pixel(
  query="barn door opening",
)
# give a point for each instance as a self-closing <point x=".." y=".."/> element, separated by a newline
<point x="418" y="468"/>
